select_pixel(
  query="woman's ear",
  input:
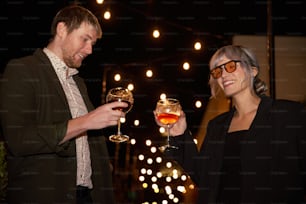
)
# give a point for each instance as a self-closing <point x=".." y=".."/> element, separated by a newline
<point x="254" y="71"/>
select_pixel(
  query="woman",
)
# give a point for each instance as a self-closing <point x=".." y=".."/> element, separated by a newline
<point x="256" y="152"/>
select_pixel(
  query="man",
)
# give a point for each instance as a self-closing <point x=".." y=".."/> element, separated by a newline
<point x="47" y="118"/>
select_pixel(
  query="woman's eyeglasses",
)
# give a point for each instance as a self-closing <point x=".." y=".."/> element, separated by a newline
<point x="229" y="67"/>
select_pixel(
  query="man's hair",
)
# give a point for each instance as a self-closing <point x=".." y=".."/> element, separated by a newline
<point x="73" y="16"/>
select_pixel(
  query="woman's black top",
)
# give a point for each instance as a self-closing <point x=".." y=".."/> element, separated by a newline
<point x="230" y="180"/>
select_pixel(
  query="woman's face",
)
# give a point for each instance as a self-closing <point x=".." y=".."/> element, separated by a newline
<point x="236" y="82"/>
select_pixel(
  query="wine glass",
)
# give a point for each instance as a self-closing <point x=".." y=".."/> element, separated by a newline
<point x="167" y="113"/>
<point x="123" y="95"/>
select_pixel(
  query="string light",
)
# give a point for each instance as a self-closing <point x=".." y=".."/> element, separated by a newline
<point x="173" y="176"/>
<point x="141" y="157"/>
<point x="159" y="174"/>
<point x="198" y="104"/>
<point x="163" y="96"/>
<point x="100" y="1"/>
<point x="183" y="177"/>
<point x="130" y="87"/>
<point x="168" y="189"/>
<point x="136" y="122"/>
<point x="149" y="172"/>
<point x="143" y="171"/>
<point x="168" y="179"/>
<point x="162" y="130"/>
<point x="186" y="66"/>
<point x="197" y="45"/>
<point x="149" y="73"/>
<point x="153" y="149"/>
<point x="107" y="15"/>
<point x="159" y="159"/>
<point x="149" y="161"/>
<point x="156" y="190"/>
<point x="191" y="186"/>
<point x="133" y="141"/>
<point x="117" y="77"/>
<point x="148" y="142"/>
<point x="141" y="178"/>
<point x="154" y="179"/>
<point x="156" y="33"/>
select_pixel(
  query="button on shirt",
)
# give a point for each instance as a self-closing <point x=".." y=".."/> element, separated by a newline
<point x="77" y="108"/>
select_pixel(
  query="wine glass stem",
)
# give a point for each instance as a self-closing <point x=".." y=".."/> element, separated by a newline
<point x="118" y="127"/>
<point x="168" y="135"/>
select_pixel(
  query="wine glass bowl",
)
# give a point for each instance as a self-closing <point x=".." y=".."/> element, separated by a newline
<point x="122" y="95"/>
<point x="167" y="118"/>
<point x="167" y="113"/>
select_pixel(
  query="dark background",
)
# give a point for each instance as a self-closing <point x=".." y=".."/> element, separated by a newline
<point x="128" y="48"/>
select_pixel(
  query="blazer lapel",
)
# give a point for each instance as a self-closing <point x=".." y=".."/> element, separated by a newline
<point x="47" y="67"/>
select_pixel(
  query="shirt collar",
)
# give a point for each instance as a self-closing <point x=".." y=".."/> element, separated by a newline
<point x="59" y="66"/>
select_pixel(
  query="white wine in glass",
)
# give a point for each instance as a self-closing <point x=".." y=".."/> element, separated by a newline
<point x="168" y="112"/>
<point x="123" y="95"/>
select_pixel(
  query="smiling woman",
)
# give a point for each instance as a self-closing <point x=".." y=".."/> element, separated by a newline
<point x="239" y="141"/>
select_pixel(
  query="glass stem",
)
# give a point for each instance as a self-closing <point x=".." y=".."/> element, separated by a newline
<point x="168" y="135"/>
<point x="118" y="126"/>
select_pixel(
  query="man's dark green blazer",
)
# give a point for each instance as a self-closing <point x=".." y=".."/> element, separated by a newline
<point x="34" y="115"/>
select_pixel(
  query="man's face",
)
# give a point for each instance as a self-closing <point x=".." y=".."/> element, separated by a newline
<point x="78" y="44"/>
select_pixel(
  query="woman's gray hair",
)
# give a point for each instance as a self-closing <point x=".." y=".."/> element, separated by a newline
<point x="248" y="60"/>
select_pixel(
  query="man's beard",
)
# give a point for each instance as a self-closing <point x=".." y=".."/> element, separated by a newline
<point x="70" y="62"/>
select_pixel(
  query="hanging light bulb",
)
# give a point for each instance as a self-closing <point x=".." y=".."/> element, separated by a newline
<point x="198" y="104"/>
<point x="136" y="122"/>
<point x="107" y="15"/>
<point x="197" y="45"/>
<point x="163" y="96"/>
<point x="117" y="77"/>
<point x="186" y="66"/>
<point x="155" y="33"/>
<point x="149" y="73"/>
<point x="130" y="87"/>
<point x="99" y="1"/>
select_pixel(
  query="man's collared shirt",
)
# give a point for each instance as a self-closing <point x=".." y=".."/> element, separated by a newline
<point x="77" y="108"/>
